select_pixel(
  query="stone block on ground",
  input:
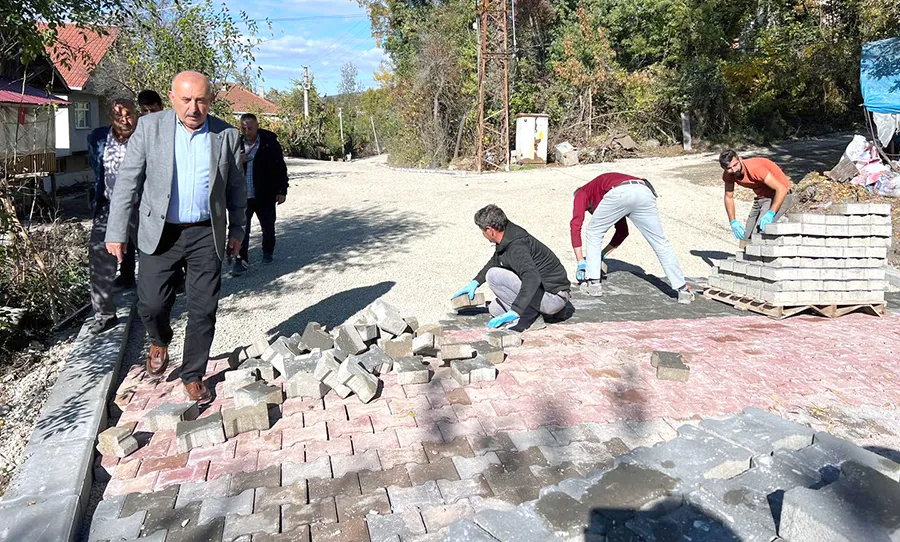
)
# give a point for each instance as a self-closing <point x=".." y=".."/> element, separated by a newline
<point x="423" y="344"/>
<point x="167" y="415"/>
<point x="305" y="385"/>
<point x="388" y="317"/>
<point x="238" y="378"/>
<point x="464" y="530"/>
<point x="206" y="431"/>
<point x="257" y="349"/>
<point x="760" y="431"/>
<point x="399" y="347"/>
<point x="245" y="419"/>
<point x="514" y="525"/>
<point x="688" y="522"/>
<point x="265" y="368"/>
<point x="117" y="442"/>
<point x="412" y="322"/>
<point x="565" y="517"/>
<point x="828" y="453"/>
<point x="349" y="340"/>
<point x="492" y="353"/>
<point x="376" y="361"/>
<point x="670" y="366"/>
<point x="368" y="332"/>
<point x="314" y="336"/>
<point x="851" y="209"/>
<point x="504" y="338"/>
<point x="450" y="352"/>
<point x="470" y="371"/>
<point x="411" y="370"/>
<point x="258" y="392"/>
<point x="304" y="363"/>
<point x="327" y="372"/>
<point x="435" y="329"/>
<point x="463" y="302"/>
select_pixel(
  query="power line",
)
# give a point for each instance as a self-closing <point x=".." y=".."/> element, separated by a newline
<point x="306" y="18"/>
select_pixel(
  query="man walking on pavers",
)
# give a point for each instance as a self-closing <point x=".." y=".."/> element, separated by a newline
<point x="610" y="198"/>
<point x="106" y="151"/>
<point x="267" y="182"/>
<point x="183" y="170"/>
<point x="771" y="186"/>
<point x="526" y="277"/>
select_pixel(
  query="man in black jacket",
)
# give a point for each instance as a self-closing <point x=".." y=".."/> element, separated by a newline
<point x="267" y="184"/>
<point x="526" y="277"/>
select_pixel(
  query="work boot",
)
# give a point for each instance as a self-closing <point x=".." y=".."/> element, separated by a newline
<point x="239" y="267"/>
<point x="267" y="259"/>
<point x="197" y="391"/>
<point x="591" y="287"/>
<point x="103" y="324"/>
<point x="157" y="360"/>
<point x="536" y="325"/>
<point x="685" y="295"/>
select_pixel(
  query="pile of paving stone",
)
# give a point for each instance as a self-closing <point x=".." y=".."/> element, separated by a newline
<point x="814" y="259"/>
<point x="348" y="360"/>
<point x="753" y="477"/>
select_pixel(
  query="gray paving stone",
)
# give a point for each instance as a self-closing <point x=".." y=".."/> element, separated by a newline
<point x="349" y="340"/>
<point x="264" y="368"/>
<point x="298" y="534"/>
<point x="537" y="437"/>
<point x="165" y="519"/>
<point x="305" y="363"/>
<point x="364" y="385"/>
<point x="224" y="506"/>
<point x="760" y="432"/>
<point x="316" y="337"/>
<point x="387" y="317"/>
<point x="574" y="487"/>
<point x="245" y="419"/>
<point x="116" y="529"/>
<point x="279" y="496"/>
<point x="626" y="488"/>
<point x="258" y="392"/>
<point x="399" y="347"/>
<point x="109" y="508"/>
<point x="49" y="520"/>
<point x="137" y="502"/>
<point x="454" y="490"/>
<point x="158" y="536"/>
<point x="426" y="494"/>
<point x="437" y="469"/>
<point x="321" y="488"/>
<point x="828" y="453"/>
<point x="470" y="371"/>
<point x="315" y="513"/>
<point x="208" y="532"/>
<point x="565" y="516"/>
<point x="189" y="492"/>
<point x="292" y="473"/>
<point x="305" y="385"/>
<point x="206" y="431"/>
<point x="267" y="520"/>
<point x="167" y="415"/>
<point x="469" y="467"/>
<point x="392" y="527"/>
<point x="52" y="470"/>
<point x="467" y="531"/>
<point x="269" y="477"/>
<point x="411" y="370"/>
<point x="503" y="338"/>
<point x="376" y="361"/>
<point x="351" y="507"/>
<point x="513" y="526"/>
<point x="237" y="379"/>
<point x="423" y="344"/>
<point x="438" y="518"/>
<point x="490" y="352"/>
<point x="343" y="464"/>
<point x="463" y="301"/>
<point x="450" y="352"/>
<point x="693" y="457"/>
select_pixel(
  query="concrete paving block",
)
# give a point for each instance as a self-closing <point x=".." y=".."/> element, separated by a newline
<point x="292" y="473"/>
<point x="127" y="528"/>
<point x="305" y="385"/>
<point x="830" y="452"/>
<point x="785" y="228"/>
<point x="314" y="336"/>
<point x="257" y="349"/>
<point x="326" y="364"/>
<point x="245" y="419"/>
<point x="341" y="390"/>
<point x="198" y="433"/>
<point x="266" y="520"/>
<point x="403" y="498"/>
<point x="450" y="352"/>
<point x="51" y="520"/>
<point x="862" y="209"/>
<point x="470" y="371"/>
<point x="258" y="392"/>
<point x="693" y="457"/>
<point x="116" y="442"/>
<point x="399" y="347"/>
<point x="388" y="317"/>
<point x="513" y="526"/>
<point x="504" y="338"/>
<point x="238" y="379"/>
<point x="217" y="507"/>
<point x="412" y="322"/>
<point x="393" y="527"/>
<point x="349" y="368"/>
<point x="435" y="329"/>
<point x="760" y="432"/>
<point x="807" y="218"/>
<point x="349" y="340"/>
<point x="565" y="516"/>
<point x="376" y="361"/>
<point x="464" y="530"/>
<point x="463" y="301"/>
<point x="264" y="368"/>
<point x="469" y="467"/>
<point x="411" y="370"/>
<point x="684" y="523"/>
<point x="167" y="415"/>
<point x="367" y="332"/>
<point x="670" y="366"/>
<point x="423" y="344"/>
<point x="364" y="385"/>
<point x="51" y="470"/>
<point x="302" y="364"/>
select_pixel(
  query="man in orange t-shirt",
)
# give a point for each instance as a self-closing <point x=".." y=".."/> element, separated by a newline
<point x="771" y="186"/>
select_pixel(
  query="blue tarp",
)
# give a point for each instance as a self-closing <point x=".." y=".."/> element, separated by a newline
<point x="880" y="76"/>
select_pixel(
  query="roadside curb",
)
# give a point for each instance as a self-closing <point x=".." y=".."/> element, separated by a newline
<point x="46" y="498"/>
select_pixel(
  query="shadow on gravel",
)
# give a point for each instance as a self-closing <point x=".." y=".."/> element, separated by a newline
<point x="336" y="240"/>
<point x="334" y="310"/>
<point x="616" y="266"/>
<point x="711" y="257"/>
<point x="888" y="453"/>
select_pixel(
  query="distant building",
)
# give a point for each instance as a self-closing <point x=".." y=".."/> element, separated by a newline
<point x="243" y="101"/>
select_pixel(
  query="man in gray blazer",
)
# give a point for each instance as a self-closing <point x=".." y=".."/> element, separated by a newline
<point x="182" y="169"/>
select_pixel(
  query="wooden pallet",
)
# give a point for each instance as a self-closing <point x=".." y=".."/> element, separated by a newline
<point x="779" y="312"/>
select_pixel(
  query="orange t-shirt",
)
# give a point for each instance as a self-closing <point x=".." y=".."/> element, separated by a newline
<point x="755" y="172"/>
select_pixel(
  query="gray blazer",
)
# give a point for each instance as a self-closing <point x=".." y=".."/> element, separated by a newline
<point x="145" y="178"/>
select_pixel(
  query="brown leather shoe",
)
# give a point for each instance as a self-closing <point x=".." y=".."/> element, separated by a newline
<point x="157" y="360"/>
<point x="197" y="391"/>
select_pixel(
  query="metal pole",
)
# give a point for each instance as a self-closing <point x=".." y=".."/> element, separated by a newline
<point x="341" y="122"/>
<point x="377" y="147"/>
<point x="306" y="92"/>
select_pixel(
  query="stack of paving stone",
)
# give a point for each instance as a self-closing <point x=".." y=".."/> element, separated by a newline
<point x="753" y="478"/>
<point x="814" y="259"/>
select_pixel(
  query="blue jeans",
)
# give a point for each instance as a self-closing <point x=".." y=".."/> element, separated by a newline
<point x="638" y="203"/>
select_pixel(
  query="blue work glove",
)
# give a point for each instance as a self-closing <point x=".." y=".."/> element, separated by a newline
<point x="579" y="274"/>
<point x="767" y="219"/>
<point x="469" y="289"/>
<point x="505" y="318"/>
<point x="738" y="229"/>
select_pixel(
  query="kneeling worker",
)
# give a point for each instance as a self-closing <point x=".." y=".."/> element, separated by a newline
<point x="526" y="277"/>
<point x="771" y="186"/>
<point x="610" y="198"/>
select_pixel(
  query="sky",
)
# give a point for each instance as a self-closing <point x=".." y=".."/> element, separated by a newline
<point x="321" y="34"/>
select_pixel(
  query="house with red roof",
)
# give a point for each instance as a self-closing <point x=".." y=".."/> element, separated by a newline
<point x="244" y="101"/>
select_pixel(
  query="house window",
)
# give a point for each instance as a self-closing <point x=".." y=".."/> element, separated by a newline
<point x="82" y="112"/>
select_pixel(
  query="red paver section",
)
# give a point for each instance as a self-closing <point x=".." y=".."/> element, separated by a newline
<point x="562" y="376"/>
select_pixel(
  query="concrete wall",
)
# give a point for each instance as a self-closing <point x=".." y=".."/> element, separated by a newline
<point x="71" y="142"/>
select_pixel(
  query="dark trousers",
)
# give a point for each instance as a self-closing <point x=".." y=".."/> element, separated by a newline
<point x="126" y="268"/>
<point x="191" y="248"/>
<point x="264" y="208"/>
<point x="103" y="268"/>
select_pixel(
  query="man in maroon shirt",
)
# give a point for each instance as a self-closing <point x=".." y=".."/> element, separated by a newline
<point x="610" y="198"/>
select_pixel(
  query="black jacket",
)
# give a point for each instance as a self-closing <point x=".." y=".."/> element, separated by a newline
<point x="269" y="170"/>
<point x="533" y="262"/>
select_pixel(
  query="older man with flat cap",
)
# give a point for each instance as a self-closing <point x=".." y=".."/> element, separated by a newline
<point x="182" y="169"/>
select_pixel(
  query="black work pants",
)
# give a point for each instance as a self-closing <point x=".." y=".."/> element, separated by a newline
<point x="264" y="208"/>
<point x="191" y="248"/>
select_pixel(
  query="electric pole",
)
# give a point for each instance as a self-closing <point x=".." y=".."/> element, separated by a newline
<point x="377" y="146"/>
<point x="492" y="132"/>
<point x="341" y="122"/>
<point x="306" y="86"/>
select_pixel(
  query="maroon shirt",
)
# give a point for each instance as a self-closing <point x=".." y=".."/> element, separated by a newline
<point x="588" y="198"/>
